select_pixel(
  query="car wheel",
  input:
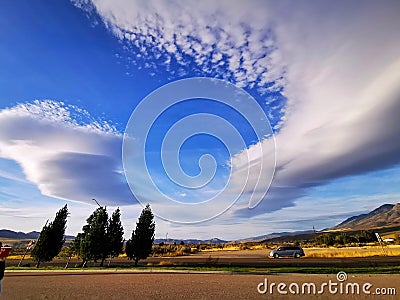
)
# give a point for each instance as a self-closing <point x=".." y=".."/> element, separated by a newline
<point x="297" y="255"/>
<point x="276" y="255"/>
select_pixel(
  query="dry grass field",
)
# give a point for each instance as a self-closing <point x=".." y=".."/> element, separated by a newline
<point x="367" y="251"/>
<point x="321" y="252"/>
<point x="313" y="252"/>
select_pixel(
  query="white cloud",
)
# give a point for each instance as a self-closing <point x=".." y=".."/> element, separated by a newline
<point x="343" y="74"/>
<point x="205" y="31"/>
<point x="337" y="63"/>
<point x="64" y="156"/>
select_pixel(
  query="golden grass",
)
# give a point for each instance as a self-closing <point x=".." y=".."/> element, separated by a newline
<point x="368" y="251"/>
<point x="10" y="241"/>
<point x="257" y="247"/>
<point x="391" y="235"/>
<point x="235" y="248"/>
<point x="19" y="256"/>
<point x="227" y="248"/>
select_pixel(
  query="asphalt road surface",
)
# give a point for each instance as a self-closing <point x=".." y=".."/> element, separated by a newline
<point x="123" y="283"/>
<point x="118" y="285"/>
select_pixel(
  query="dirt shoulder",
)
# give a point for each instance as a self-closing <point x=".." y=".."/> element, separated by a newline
<point x="189" y="285"/>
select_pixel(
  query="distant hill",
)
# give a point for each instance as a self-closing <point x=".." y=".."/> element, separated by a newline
<point x="9" y="234"/>
<point x="387" y="215"/>
<point x="33" y="235"/>
<point x="292" y="238"/>
<point x="274" y="235"/>
<point x="383" y="219"/>
<point x="213" y="241"/>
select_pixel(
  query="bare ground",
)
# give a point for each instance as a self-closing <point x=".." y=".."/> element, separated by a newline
<point x="169" y="285"/>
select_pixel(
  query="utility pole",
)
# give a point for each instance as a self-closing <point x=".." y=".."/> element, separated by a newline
<point x="96" y="202"/>
<point x="101" y="207"/>
<point x="380" y="242"/>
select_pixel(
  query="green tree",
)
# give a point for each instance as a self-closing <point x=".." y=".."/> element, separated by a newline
<point x="94" y="240"/>
<point x="139" y="246"/>
<point x="115" y="233"/>
<point x="51" y="238"/>
<point x="343" y="239"/>
<point x="397" y="238"/>
<point x="325" y="239"/>
<point x="366" y="236"/>
<point x="74" y="248"/>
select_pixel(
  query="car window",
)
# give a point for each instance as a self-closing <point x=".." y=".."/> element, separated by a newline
<point x="290" y="248"/>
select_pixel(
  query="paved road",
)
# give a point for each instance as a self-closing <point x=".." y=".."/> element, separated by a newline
<point x="123" y="284"/>
<point x="100" y="285"/>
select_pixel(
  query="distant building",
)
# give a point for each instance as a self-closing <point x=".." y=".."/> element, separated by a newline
<point x="389" y="240"/>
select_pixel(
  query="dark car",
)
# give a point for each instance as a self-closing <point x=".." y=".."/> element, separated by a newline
<point x="287" y="251"/>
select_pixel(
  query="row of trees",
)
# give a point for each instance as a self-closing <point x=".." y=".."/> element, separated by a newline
<point x="330" y="239"/>
<point x="101" y="237"/>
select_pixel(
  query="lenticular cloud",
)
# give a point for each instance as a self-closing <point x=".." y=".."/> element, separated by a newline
<point x="65" y="152"/>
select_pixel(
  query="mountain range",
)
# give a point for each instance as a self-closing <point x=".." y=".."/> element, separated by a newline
<point x="385" y="216"/>
<point x="9" y="234"/>
<point x="273" y="235"/>
<point x="213" y="241"/>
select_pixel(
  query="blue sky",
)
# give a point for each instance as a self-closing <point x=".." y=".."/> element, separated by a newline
<point x="73" y="72"/>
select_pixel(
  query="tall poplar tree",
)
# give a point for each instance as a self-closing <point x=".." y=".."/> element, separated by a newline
<point x="94" y="241"/>
<point x="51" y="238"/>
<point x="139" y="246"/>
<point x="115" y="234"/>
